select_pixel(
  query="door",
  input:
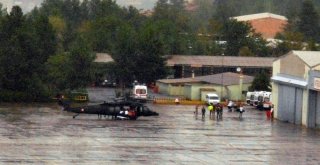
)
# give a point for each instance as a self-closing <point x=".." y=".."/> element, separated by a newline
<point x="318" y="111"/>
<point x="298" y="106"/>
<point x="290" y="104"/>
<point x="314" y="109"/>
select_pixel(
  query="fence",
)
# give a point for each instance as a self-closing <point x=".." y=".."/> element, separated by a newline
<point x="183" y="101"/>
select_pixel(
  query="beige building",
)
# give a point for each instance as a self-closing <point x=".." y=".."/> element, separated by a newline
<point x="228" y="85"/>
<point x="296" y="86"/>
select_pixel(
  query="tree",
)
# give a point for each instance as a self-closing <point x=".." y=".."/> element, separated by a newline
<point x="124" y="54"/>
<point x="103" y="8"/>
<point x="59" y="27"/>
<point x="236" y="35"/>
<point x="57" y="67"/>
<point x="13" y="57"/>
<point x="175" y="22"/>
<point x="261" y="82"/>
<point x="290" y="40"/>
<point x="71" y="70"/>
<point x="150" y="59"/>
<point x="223" y="11"/>
<point x="80" y="60"/>
<point x="101" y="34"/>
<point x="245" y="51"/>
<point x="45" y="40"/>
<point x="21" y="57"/>
<point x="308" y="23"/>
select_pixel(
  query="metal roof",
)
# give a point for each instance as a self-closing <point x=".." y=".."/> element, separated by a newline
<point x="289" y="80"/>
<point x="259" y="16"/>
<point x="311" y="58"/>
<point x="228" y="78"/>
<point x="200" y="61"/>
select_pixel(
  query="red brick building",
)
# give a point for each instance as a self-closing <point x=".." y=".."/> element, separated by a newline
<point x="265" y="23"/>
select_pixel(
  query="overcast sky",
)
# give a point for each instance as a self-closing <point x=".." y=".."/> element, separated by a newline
<point x="28" y="5"/>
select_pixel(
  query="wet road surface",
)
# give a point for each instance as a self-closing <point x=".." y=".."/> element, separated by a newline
<point x="44" y="134"/>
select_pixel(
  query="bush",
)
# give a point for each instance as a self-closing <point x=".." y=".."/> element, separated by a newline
<point x="18" y="96"/>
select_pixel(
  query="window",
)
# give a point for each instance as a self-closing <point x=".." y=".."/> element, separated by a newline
<point x="141" y="91"/>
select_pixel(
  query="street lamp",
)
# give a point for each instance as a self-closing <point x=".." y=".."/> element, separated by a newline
<point x="239" y="70"/>
<point x="222" y="84"/>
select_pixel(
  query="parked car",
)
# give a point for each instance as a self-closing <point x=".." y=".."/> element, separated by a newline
<point x="107" y="83"/>
<point x="212" y="98"/>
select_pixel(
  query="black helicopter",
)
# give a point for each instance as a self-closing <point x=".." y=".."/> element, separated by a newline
<point x="118" y="109"/>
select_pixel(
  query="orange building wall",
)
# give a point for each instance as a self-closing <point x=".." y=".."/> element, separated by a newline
<point x="268" y="27"/>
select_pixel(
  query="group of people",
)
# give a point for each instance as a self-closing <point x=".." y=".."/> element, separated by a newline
<point x="237" y="107"/>
<point x="212" y="109"/>
<point x="218" y="108"/>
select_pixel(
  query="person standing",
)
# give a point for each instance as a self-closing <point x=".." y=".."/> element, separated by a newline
<point x="176" y="101"/>
<point x="219" y="109"/>
<point x="211" y="112"/>
<point x="267" y="106"/>
<point x="196" y="111"/>
<point x="203" y="110"/>
<point x="230" y="106"/>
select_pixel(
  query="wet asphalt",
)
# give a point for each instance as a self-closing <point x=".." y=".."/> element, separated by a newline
<point x="44" y="134"/>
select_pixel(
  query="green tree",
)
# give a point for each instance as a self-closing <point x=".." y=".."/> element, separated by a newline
<point x="261" y="82"/>
<point x="223" y="11"/>
<point x="101" y="34"/>
<point x="236" y="35"/>
<point x="308" y="23"/>
<point x="150" y="59"/>
<point x="175" y="25"/>
<point x="58" y="67"/>
<point x="124" y="54"/>
<point x="21" y="57"/>
<point x="103" y="8"/>
<point x="80" y="59"/>
<point x="289" y="41"/>
<point x="13" y="59"/>
<point x="45" y="40"/>
<point x="71" y="70"/>
<point x="59" y="27"/>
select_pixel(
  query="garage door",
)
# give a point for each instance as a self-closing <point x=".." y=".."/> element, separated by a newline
<point x="290" y="104"/>
<point x="314" y="109"/>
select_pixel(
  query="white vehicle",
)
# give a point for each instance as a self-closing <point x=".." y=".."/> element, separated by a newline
<point x="140" y="92"/>
<point x="254" y="98"/>
<point x="212" y="98"/>
<point x="266" y="95"/>
<point x="248" y="96"/>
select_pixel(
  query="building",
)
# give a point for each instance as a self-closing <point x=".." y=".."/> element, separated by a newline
<point x="228" y="85"/>
<point x="295" y="88"/>
<point x="185" y="66"/>
<point x="103" y="58"/>
<point x="267" y="24"/>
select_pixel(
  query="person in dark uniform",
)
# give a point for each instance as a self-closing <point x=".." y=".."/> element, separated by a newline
<point x="203" y="110"/>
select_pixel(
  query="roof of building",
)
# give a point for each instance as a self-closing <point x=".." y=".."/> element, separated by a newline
<point x="259" y="16"/>
<point x="103" y="58"/>
<point x="311" y="58"/>
<point x="226" y="79"/>
<point x="200" y="61"/>
<point x="287" y="79"/>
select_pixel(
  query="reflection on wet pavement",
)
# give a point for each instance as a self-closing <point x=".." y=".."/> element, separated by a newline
<point x="44" y="134"/>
